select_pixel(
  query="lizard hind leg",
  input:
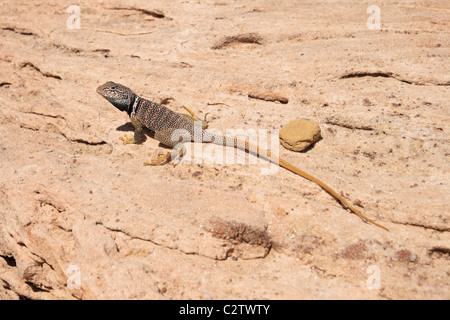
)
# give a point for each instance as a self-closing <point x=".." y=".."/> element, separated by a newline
<point x="165" y="137"/>
<point x="192" y="118"/>
<point x="165" y="158"/>
<point x="161" y="159"/>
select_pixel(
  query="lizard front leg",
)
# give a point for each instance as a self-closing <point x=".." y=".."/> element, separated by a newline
<point x="138" y="130"/>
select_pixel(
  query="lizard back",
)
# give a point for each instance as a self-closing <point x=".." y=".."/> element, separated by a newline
<point x="157" y="117"/>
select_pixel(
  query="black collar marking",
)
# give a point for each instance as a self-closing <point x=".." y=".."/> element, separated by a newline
<point x="138" y="104"/>
<point x="130" y="106"/>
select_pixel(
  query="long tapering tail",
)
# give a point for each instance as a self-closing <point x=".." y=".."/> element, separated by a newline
<point x="305" y="175"/>
<point x="252" y="148"/>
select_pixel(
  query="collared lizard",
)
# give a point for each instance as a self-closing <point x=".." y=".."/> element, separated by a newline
<point x="165" y="122"/>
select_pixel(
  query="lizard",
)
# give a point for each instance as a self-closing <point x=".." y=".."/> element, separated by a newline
<point x="164" y="122"/>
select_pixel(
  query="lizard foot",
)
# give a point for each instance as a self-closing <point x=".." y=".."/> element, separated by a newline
<point x="163" y="158"/>
<point x="127" y="139"/>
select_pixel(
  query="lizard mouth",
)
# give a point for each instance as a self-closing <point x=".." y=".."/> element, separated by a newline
<point x="99" y="90"/>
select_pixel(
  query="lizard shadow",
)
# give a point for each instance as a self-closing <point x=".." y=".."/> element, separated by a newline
<point x="129" y="127"/>
<point x="310" y="147"/>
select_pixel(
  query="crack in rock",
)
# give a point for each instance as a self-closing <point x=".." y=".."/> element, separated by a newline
<point x="21" y="31"/>
<point x="388" y="74"/>
<point x="154" y="13"/>
<point x="252" y="38"/>
<point x="45" y="74"/>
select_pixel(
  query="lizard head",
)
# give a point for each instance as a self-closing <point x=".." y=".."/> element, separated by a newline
<point x="119" y="95"/>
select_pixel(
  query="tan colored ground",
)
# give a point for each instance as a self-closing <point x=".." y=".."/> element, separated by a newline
<point x="81" y="217"/>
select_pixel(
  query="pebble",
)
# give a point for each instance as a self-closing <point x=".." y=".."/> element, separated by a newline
<point x="299" y="134"/>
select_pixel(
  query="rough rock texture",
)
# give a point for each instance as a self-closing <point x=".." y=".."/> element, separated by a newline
<point x="299" y="134"/>
<point x="82" y="218"/>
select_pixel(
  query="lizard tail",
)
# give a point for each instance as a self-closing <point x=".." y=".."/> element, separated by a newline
<point x="305" y="175"/>
<point x="252" y="148"/>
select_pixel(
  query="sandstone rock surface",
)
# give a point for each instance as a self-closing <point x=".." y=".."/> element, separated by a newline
<point x="82" y="218"/>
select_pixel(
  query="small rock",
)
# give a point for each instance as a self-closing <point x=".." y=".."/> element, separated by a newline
<point x="268" y="96"/>
<point x="406" y="256"/>
<point x="299" y="134"/>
